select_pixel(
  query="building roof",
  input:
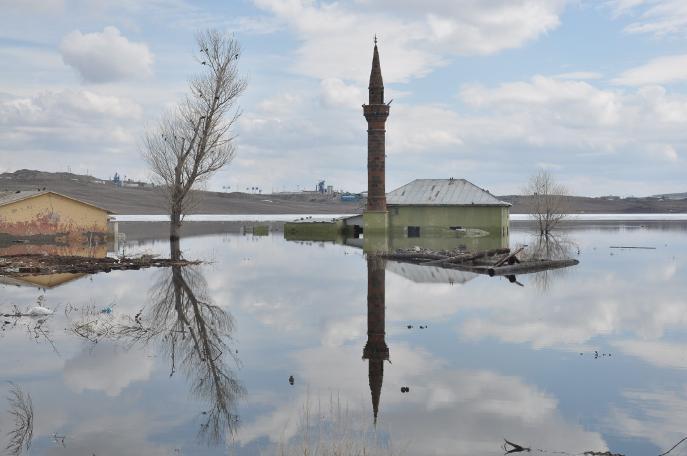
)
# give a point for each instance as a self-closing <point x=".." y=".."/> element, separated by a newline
<point x="442" y="192"/>
<point x="429" y="274"/>
<point x="13" y="197"/>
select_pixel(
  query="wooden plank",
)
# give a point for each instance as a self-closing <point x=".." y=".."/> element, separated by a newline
<point x="508" y="257"/>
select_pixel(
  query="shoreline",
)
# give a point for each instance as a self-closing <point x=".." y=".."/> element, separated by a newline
<point x="252" y="218"/>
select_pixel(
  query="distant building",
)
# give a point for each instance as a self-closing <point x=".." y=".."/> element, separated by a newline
<point x="28" y="214"/>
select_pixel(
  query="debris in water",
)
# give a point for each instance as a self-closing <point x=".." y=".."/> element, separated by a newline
<point x="291" y="380"/>
<point x="40" y="310"/>
<point x="37" y="264"/>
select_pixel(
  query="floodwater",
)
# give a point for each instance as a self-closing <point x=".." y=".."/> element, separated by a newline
<point x="198" y="360"/>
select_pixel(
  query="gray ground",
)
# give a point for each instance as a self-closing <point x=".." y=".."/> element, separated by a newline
<point x="123" y="200"/>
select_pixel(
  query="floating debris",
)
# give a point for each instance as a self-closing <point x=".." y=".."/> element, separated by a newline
<point x="291" y="380"/>
<point x="495" y="262"/>
<point x="37" y="264"/>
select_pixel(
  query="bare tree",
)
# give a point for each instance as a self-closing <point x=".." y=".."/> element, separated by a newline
<point x="21" y="409"/>
<point x="194" y="140"/>
<point x="548" y="200"/>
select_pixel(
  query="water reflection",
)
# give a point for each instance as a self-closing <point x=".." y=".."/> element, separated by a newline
<point x="497" y="361"/>
<point x="196" y="335"/>
<point x="552" y="246"/>
<point x="21" y="410"/>
<point x="376" y="351"/>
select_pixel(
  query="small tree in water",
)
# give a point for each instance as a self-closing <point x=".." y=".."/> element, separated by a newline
<point x="548" y="201"/>
<point x="194" y="140"/>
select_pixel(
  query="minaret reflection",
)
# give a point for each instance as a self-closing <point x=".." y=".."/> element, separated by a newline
<point x="376" y="350"/>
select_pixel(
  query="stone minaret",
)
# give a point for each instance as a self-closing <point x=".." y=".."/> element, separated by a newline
<point x="376" y="113"/>
<point x="376" y="351"/>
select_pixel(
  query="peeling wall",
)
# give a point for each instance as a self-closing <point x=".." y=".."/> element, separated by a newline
<point x="51" y="214"/>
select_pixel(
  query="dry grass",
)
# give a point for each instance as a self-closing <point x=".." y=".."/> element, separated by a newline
<point x="332" y="429"/>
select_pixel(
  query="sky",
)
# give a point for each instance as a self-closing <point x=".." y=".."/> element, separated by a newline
<point x="491" y="91"/>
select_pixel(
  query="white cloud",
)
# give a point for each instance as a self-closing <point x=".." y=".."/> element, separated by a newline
<point x="483" y="405"/>
<point x="106" y="368"/>
<point x="657" y="416"/>
<point x="657" y="17"/>
<point x="106" y="56"/>
<point x="69" y="129"/>
<point x="661" y="70"/>
<point x="335" y="92"/>
<point x="336" y="37"/>
<point x="657" y="353"/>
<point x="64" y="108"/>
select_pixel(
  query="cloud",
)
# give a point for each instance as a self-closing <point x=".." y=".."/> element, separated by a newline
<point x="106" y="56"/>
<point x="657" y="17"/>
<point x="65" y="107"/>
<point x="69" y="129"/>
<point x="334" y="93"/>
<point x="106" y="368"/>
<point x="657" y="353"/>
<point x="483" y="405"/>
<point x="661" y="70"/>
<point x="415" y="36"/>
<point x="489" y="135"/>
<point x="655" y="415"/>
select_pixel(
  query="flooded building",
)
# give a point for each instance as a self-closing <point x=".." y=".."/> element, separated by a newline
<point x="453" y="204"/>
<point x="45" y="217"/>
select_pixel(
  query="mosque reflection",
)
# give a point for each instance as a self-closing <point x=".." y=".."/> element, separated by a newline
<point x="376" y="350"/>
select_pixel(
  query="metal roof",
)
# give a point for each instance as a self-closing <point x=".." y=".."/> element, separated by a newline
<point x="442" y="192"/>
<point x="12" y="197"/>
<point x="429" y="274"/>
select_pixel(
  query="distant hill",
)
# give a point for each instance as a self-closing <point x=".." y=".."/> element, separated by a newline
<point x="672" y="196"/>
<point x="146" y="200"/>
<point x="606" y="205"/>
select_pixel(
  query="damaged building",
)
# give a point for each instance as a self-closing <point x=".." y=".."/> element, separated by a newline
<point x="50" y="217"/>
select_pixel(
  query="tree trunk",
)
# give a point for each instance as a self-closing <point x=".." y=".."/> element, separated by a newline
<point x="174" y="225"/>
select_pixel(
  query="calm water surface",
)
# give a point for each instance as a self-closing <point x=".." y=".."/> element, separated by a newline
<point x="591" y="358"/>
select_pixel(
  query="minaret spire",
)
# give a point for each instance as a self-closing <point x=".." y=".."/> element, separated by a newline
<point x="376" y="113"/>
<point x="376" y="87"/>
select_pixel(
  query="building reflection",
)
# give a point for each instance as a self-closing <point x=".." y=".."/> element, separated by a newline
<point x="376" y="351"/>
<point x="48" y="281"/>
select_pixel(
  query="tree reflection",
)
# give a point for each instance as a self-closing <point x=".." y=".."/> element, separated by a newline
<point x="196" y="335"/>
<point x="21" y="410"/>
<point x="550" y="247"/>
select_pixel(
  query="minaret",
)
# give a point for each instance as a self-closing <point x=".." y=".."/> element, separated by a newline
<point x="376" y="113"/>
<point x="376" y="351"/>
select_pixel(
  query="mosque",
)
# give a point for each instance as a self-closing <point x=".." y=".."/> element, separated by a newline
<point x="423" y="205"/>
